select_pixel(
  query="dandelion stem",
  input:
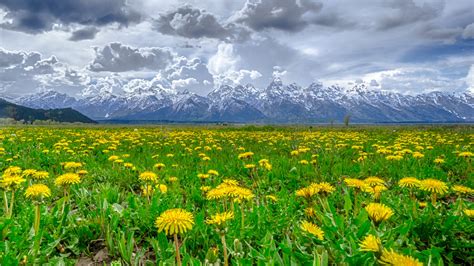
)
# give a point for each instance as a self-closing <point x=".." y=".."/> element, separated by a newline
<point x="37" y="217"/>
<point x="5" y="202"/>
<point x="224" y="246"/>
<point x="176" y="244"/>
<point x="433" y="199"/>
<point x="10" y="210"/>
<point x="355" y="203"/>
<point x="242" y="214"/>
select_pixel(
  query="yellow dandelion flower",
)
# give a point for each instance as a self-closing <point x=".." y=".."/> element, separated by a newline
<point x="147" y="191"/>
<point x="370" y="243"/>
<point x="159" y="166"/>
<point x="175" y="221"/>
<point x="245" y="155"/>
<point x="38" y="191"/>
<point x="294" y="153"/>
<point x="205" y="188"/>
<point x="355" y="183"/>
<point x="394" y="157"/>
<point x="249" y="166"/>
<point x="28" y="172"/>
<point x="434" y="186"/>
<point x="67" y="179"/>
<point x="148" y="176"/>
<point x="325" y="187"/>
<point x="312" y="229"/>
<point x="128" y="165"/>
<point x="163" y="188"/>
<point x="308" y="192"/>
<point x="418" y="155"/>
<point x="466" y="154"/>
<point x="230" y="182"/>
<point x="271" y="197"/>
<point x="390" y="257"/>
<point x="376" y="191"/>
<point x="213" y="172"/>
<point x="220" y="219"/>
<point x="469" y="213"/>
<point x="410" y="182"/>
<point x="72" y="165"/>
<point x="439" y="161"/>
<point x="378" y="212"/>
<point x="11" y="181"/>
<point x="82" y="172"/>
<point x="203" y="176"/>
<point x="373" y="181"/>
<point x="40" y="175"/>
<point x="242" y="193"/>
<point x="462" y="189"/>
<point x="310" y="212"/>
<point x="113" y="158"/>
<point x="12" y="170"/>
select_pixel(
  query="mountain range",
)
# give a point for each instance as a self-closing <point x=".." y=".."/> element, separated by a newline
<point x="276" y="103"/>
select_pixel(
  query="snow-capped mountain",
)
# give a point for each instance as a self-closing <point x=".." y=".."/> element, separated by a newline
<point x="275" y="103"/>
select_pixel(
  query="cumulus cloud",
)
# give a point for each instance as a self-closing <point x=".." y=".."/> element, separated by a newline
<point x="468" y="32"/>
<point x="22" y="72"/>
<point x="40" y="16"/>
<point x="86" y="33"/>
<point x="278" y="72"/>
<point x="116" y="57"/>
<point x="103" y="85"/>
<point x="287" y="15"/>
<point x="190" y="74"/>
<point x="224" y="66"/>
<point x="189" y="22"/>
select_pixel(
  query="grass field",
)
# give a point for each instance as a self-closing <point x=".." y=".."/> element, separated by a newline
<point x="237" y="195"/>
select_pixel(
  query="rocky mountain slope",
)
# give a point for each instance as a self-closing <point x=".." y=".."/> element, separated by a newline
<point x="277" y="102"/>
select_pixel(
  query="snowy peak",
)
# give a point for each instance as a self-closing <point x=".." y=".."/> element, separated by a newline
<point x="277" y="102"/>
<point x="49" y="99"/>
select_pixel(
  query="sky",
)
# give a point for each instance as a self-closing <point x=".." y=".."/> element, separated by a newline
<point x="86" y="47"/>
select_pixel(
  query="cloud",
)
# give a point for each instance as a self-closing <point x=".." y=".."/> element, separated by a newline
<point x="278" y="72"/>
<point x="23" y="72"/>
<point x="403" y="12"/>
<point x="412" y="80"/>
<point x="40" y="16"/>
<point x="470" y="79"/>
<point x="286" y="15"/>
<point x="104" y="85"/>
<point x="224" y="66"/>
<point x="87" y="33"/>
<point x="374" y="83"/>
<point x="116" y="57"/>
<point x="183" y="83"/>
<point x="468" y="32"/>
<point x="194" y="23"/>
<point x="190" y="74"/>
<point x="8" y="58"/>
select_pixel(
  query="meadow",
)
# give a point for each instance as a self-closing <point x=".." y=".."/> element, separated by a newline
<point x="228" y="195"/>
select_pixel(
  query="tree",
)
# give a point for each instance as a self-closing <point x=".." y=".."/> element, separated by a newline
<point x="347" y="119"/>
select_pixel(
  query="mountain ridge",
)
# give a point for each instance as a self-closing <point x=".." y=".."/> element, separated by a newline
<point x="276" y="103"/>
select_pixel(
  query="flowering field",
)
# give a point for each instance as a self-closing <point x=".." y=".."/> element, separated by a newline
<point x="238" y="196"/>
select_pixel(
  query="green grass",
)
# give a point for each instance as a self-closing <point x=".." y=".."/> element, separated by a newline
<point x="109" y="220"/>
